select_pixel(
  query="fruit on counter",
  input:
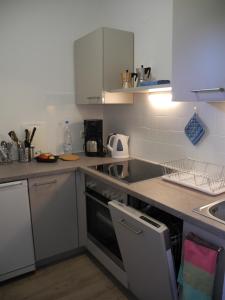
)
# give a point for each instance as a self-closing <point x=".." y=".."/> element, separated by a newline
<point x="46" y="156"/>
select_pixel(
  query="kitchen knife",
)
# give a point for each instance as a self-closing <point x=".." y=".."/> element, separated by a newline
<point x="32" y="134"/>
<point x="27" y="138"/>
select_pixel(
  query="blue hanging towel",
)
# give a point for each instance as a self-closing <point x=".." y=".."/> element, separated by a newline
<point x="195" y="129"/>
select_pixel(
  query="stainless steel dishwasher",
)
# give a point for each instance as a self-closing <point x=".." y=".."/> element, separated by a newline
<point x="146" y="248"/>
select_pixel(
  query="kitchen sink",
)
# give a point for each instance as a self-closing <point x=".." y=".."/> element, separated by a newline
<point x="215" y="211"/>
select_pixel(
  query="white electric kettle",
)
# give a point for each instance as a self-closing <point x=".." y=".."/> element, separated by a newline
<point x="118" y="145"/>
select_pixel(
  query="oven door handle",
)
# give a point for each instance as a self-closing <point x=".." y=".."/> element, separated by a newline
<point x="96" y="200"/>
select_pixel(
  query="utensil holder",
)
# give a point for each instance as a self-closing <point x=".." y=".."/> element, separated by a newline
<point x="31" y="152"/>
<point x="25" y="154"/>
<point x="4" y="155"/>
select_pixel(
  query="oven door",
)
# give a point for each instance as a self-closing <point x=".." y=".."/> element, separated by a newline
<point x="100" y="227"/>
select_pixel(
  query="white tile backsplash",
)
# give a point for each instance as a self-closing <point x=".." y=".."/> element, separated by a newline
<point x="157" y="133"/>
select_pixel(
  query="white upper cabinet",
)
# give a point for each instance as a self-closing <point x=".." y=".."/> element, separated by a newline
<point x="100" y="57"/>
<point x="198" y="64"/>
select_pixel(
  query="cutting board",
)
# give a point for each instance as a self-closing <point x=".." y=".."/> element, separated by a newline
<point x="69" y="157"/>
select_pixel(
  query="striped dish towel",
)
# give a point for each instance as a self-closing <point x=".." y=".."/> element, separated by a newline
<point x="197" y="272"/>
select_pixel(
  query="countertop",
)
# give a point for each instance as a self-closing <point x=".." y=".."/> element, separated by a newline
<point x="18" y="171"/>
<point x="174" y="199"/>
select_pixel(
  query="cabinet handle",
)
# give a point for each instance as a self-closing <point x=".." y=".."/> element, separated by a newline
<point x="45" y="183"/>
<point x="209" y="90"/>
<point x="124" y="223"/>
<point x="10" y="184"/>
<point x="94" y="98"/>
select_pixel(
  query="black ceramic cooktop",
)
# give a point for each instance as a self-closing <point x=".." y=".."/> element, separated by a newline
<point x="131" y="171"/>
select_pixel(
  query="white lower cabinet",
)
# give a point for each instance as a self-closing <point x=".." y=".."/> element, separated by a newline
<point x="16" y="243"/>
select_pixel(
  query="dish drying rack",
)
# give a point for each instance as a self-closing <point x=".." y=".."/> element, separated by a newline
<point x="203" y="176"/>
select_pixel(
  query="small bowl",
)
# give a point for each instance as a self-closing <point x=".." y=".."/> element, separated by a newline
<point x="47" y="160"/>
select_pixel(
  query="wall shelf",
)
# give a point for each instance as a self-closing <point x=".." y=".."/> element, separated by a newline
<point x="144" y="89"/>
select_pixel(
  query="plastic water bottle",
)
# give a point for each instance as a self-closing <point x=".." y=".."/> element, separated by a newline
<point x="67" y="138"/>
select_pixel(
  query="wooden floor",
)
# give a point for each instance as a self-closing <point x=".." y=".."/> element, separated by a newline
<point x="78" y="278"/>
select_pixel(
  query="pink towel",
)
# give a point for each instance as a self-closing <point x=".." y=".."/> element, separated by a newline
<point x="200" y="256"/>
<point x="197" y="272"/>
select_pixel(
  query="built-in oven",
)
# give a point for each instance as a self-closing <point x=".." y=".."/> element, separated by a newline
<point x="100" y="230"/>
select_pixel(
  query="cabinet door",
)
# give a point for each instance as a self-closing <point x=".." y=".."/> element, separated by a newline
<point x="54" y="215"/>
<point x="89" y="68"/>
<point x="198" y="50"/>
<point x="118" y="47"/>
<point x="16" y="242"/>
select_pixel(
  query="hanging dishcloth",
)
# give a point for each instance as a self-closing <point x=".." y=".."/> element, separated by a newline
<point x="195" y="129"/>
<point x="197" y="272"/>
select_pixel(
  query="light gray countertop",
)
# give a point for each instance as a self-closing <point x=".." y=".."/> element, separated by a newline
<point x="170" y="197"/>
<point x="177" y="200"/>
<point x="19" y="171"/>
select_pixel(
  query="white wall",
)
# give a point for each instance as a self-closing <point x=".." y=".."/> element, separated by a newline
<point x="37" y="76"/>
<point x="36" y="67"/>
<point x="151" y="22"/>
<point x="156" y="128"/>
